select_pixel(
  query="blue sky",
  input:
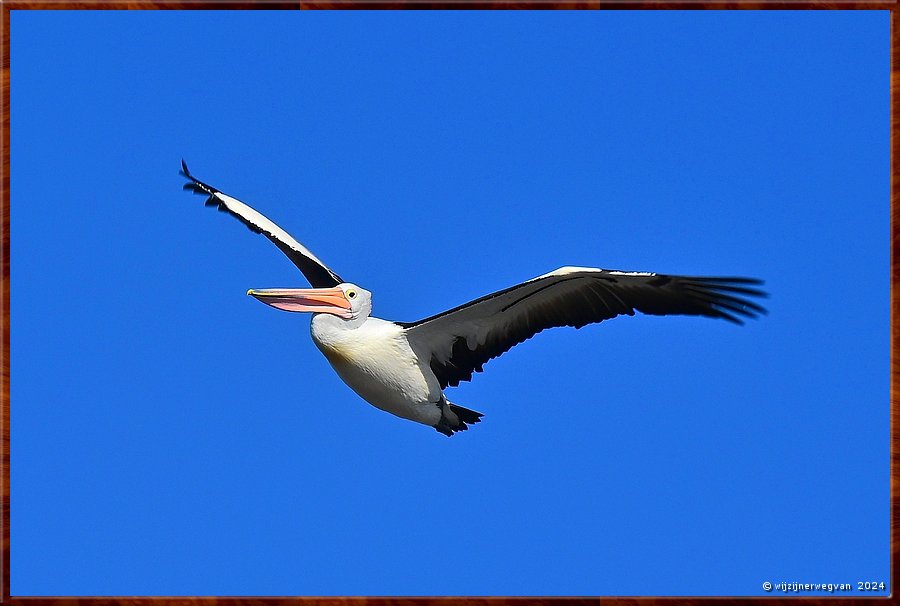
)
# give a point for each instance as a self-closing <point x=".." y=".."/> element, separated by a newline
<point x="170" y="435"/>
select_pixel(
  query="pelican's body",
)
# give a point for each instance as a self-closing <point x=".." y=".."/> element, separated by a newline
<point x="403" y="368"/>
<point x="376" y="361"/>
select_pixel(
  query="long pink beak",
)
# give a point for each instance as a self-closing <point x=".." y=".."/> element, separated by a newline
<point x="315" y="300"/>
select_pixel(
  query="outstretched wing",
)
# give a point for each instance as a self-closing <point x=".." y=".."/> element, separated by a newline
<point x="316" y="272"/>
<point x="458" y="342"/>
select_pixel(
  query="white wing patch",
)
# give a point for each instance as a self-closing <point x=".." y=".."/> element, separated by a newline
<point x="241" y="209"/>
<point x="631" y="273"/>
<point x="571" y="269"/>
<point x="563" y="271"/>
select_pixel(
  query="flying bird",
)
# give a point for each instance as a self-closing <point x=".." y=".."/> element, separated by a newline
<point x="404" y="367"/>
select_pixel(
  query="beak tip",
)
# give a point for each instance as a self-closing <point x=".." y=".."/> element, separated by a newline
<point x="250" y="291"/>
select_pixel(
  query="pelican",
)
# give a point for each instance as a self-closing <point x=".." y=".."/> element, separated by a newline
<point x="403" y="368"/>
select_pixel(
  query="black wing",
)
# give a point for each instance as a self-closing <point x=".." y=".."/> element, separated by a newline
<point x="316" y="272"/>
<point x="459" y="342"/>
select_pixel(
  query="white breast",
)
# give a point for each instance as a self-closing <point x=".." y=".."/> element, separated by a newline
<point x="376" y="361"/>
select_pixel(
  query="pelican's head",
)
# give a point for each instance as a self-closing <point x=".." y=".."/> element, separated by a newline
<point x="347" y="301"/>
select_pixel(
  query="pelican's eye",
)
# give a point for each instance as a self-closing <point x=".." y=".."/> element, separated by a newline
<point x="351" y="294"/>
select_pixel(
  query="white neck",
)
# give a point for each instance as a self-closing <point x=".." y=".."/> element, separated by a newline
<point x="331" y="323"/>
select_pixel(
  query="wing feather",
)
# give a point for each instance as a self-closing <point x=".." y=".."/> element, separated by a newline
<point x="316" y="272"/>
<point x="460" y="341"/>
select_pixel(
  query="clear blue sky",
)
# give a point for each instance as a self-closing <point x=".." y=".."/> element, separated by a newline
<point x="171" y="435"/>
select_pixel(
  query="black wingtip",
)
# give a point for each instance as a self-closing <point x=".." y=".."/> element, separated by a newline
<point x="197" y="189"/>
<point x="727" y="297"/>
<point x="195" y="185"/>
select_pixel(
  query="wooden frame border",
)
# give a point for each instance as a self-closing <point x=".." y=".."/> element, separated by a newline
<point x="8" y="5"/>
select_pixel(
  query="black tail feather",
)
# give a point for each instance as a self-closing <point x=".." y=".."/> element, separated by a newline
<point x="465" y="415"/>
